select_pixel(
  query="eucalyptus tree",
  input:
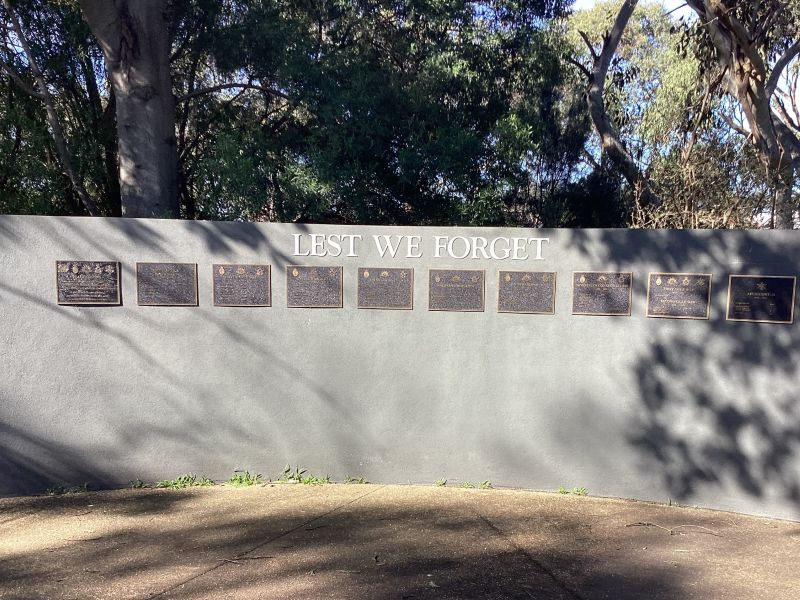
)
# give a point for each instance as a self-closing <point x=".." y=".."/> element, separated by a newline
<point x="353" y="110"/>
<point x="745" y="59"/>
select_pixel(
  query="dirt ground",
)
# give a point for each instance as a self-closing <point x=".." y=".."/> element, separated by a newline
<point x="395" y="542"/>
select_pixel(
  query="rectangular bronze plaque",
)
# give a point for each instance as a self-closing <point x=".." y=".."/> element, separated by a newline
<point x="166" y="284"/>
<point x="386" y="288"/>
<point x="314" y="287"/>
<point x="455" y="290"/>
<point x="601" y="293"/>
<point x="527" y="292"/>
<point x="242" y="285"/>
<point x="679" y="295"/>
<point x="88" y="282"/>
<point x="761" y="299"/>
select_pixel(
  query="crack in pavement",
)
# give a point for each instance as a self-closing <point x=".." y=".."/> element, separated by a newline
<point x="243" y="555"/>
<point x="528" y="557"/>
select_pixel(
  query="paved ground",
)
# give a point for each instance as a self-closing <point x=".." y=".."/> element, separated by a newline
<point x="372" y="542"/>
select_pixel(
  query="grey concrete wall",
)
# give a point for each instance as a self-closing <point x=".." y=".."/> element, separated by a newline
<point x="702" y="412"/>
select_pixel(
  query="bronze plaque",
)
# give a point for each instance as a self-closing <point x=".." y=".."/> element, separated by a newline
<point x="679" y="295"/>
<point x="88" y="282"/>
<point x="455" y="290"/>
<point x="166" y="284"/>
<point x="242" y="285"/>
<point x="601" y="293"/>
<point x="761" y="299"/>
<point x="391" y="289"/>
<point x="313" y="287"/>
<point x="527" y="292"/>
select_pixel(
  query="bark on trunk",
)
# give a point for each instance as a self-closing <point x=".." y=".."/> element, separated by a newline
<point x="736" y="43"/>
<point x="136" y="46"/>
<point x="610" y="140"/>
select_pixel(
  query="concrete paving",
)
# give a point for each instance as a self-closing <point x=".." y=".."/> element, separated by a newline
<point x="394" y="542"/>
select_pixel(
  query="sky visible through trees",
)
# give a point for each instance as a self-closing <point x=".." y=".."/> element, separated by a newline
<point x="603" y="113"/>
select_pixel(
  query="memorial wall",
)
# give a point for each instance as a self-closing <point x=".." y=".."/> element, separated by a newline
<point x="661" y="365"/>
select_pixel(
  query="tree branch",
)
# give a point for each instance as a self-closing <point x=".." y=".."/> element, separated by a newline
<point x="785" y="116"/>
<point x="610" y="140"/>
<point x="588" y="43"/>
<point x="783" y="61"/>
<point x="227" y="86"/>
<point x="19" y="81"/>
<point x="735" y="126"/>
<point x="56" y="130"/>
<point x="580" y="66"/>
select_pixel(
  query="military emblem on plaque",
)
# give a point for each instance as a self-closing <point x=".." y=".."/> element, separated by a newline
<point x="242" y="285"/>
<point x="456" y="290"/>
<point x="761" y="299"/>
<point x="392" y="289"/>
<point x="679" y="295"/>
<point x="526" y="292"/>
<point x="314" y="287"/>
<point x="602" y="293"/>
<point x="88" y="283"/>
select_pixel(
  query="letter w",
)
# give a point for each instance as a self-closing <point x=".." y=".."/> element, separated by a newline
<point x="387" y="244"/>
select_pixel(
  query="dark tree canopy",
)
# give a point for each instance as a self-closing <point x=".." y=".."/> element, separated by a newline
<point x="400" y="111"/>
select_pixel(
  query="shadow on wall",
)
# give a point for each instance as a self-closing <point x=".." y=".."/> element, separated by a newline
<point x="722" y="413"/>
<point x="30" y="463"/>
<point x="714" y="414"/>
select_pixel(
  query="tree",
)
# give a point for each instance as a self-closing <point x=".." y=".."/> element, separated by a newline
<point x="136" y="44"/>
<point x="17" y="45"/>
<point x="33" y="178"/>
<point x="752" y="45"/>
<point x="748" y="51"/>
<point x="610" y="140"/>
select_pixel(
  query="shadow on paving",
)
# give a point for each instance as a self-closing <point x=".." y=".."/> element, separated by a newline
<point x="366" y="542"/>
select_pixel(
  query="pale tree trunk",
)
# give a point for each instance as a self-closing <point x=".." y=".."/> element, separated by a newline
<point x="610" y="140"/>
<point x="736" y="43"/>
<point x="136" y="45"/>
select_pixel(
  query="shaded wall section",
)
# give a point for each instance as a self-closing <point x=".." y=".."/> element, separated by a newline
<point x="700" y="412"/>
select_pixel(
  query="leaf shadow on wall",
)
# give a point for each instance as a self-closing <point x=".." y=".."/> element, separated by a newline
<point x="717" y="413"/>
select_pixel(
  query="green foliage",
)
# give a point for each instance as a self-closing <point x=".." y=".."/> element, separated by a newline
<point x="244" y="478"/>
<point x="355" y="480"/>
<point x="31" y="177"/>
<point x="298" y="475"/>
<point x="440" y="483"/>
<point x="486" y="485"/>
<point x="60" y="490"/>
<point x="467" y="485"/>
<point x="137" y="484"/>
<point x="184" y="481"/>
<point x="578" y="491"/>
<point x="398" y="112"/>
<point x="295" y="476"/>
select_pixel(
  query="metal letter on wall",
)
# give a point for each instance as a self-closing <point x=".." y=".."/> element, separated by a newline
<point x="391" y="289"/>
<point x="314" y="287"/>
<point x="679" y="295"/>
<point x="85" y="282"/>
<point x="242" y="285"/>
<point x="761" y="299"/>
<point x="601" y="293"/>
<point x="166" y="284"/>
<point x="527" y="292"/>
<point x="456" y="290"/>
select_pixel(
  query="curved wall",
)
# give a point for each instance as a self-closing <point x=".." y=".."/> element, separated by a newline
<point x="697" y="411"/>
